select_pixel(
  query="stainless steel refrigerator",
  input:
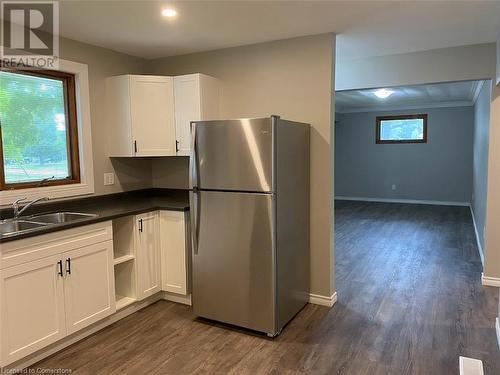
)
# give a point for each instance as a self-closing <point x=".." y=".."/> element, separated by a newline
<point x="249" y="201"/>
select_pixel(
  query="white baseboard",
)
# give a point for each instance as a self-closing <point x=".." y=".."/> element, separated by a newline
<point x="317" y="299"/>
<point x="481" y="253"/>
<point x="185" y="300"/>
<point x="490" y="281"/>
<point x="497" y="328"/>
<point x="410" y="201"/>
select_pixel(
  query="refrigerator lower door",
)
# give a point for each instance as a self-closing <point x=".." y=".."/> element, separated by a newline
<point x="233" y="258"/>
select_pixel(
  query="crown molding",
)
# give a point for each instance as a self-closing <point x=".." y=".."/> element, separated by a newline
<point x="477" y="91"/>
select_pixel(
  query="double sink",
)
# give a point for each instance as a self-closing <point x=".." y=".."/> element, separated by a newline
<point x="25" y="224"/>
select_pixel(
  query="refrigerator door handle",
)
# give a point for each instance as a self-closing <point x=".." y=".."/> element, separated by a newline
<point x="193" y="162"/>
<point x="194" y="203"/>
<point x="194" y="198"/>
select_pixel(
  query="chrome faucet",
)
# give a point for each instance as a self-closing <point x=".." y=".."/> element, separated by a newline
<point x="18" y="212"/>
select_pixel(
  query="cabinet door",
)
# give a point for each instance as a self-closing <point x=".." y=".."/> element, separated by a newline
<point x="152" y="115"/>
<point x="173" y="252"/>
<point x="32" y="307"/>
<point x="187" y="109"/>
<point x="89" y="286"/>
<point x="148" y="255"/>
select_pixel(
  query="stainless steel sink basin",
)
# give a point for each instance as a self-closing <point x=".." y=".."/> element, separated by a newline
<point x="18" y="226"/>
<point x="59" y="217"/>
<point x="31" y="223"/>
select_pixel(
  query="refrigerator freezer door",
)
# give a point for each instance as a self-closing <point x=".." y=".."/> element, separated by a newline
<point x="233" y="259"/>
<point x="234" y="155"/>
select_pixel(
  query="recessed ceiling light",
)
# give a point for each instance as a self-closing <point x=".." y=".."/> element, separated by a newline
<point x="169" y="12"/>
<point x="383" y="93"/>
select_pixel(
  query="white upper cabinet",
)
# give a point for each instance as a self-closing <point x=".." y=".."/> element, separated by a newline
<point x="196" y="98"/>
<point x="140" y="115"/>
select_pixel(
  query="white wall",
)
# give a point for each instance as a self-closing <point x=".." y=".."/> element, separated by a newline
<point x="492" y="251"/>
<point x="440" y="65"/>
<point x="498" y="61"/>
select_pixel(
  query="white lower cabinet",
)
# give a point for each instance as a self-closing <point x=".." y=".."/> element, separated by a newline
<point x="89" y="290"/>
<point x="56" y="294"/>
<point x="32" y="307"/>
<point x="56" y="284"/>
<point x="173" y="248"/>
<point x="148" y="255"/>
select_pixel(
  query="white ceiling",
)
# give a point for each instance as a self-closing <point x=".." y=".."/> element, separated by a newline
<point x="409" y="97"/>
<point x="366" y="28"/>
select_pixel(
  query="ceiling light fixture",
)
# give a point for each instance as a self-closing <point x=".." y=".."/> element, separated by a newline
<point x="169" y="12"/>
<point x="383" y="93"/>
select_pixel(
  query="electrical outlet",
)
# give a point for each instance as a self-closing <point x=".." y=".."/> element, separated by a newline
<point x="393" y="187"/>
<point x="109" y="179"/>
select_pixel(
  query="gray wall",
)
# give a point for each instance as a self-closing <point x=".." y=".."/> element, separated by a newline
<point x="293" y="78"/>
<point x="480" y="158"/>
<point x="440" y="170"/>
<point x="131" y="173"/>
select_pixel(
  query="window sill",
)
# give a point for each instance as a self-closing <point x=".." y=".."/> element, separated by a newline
<point x="53" y="192"/>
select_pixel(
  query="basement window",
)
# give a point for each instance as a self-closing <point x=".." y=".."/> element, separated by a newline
<point x="401" y="129"/>
<point x="38" y="132"/>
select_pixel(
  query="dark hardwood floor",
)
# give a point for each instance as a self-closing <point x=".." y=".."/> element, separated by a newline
<point x="410" y="301"/>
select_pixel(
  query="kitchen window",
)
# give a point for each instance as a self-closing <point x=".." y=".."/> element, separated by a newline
<point x="38" y="132"/>
<point x="401" y="129"/>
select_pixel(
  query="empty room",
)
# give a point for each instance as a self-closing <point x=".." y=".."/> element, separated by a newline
<point x="410" y="184"/>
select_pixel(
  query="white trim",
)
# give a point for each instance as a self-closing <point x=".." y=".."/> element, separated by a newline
<point x="403" y="107"/>
<point x="411" y="201"/>
<point x="470" y="366"/>
<point x="317" y="299"/>
<point x="497" y="329"/>
<point x="479" y="247"/>
<point x="477" y="91"/>
<point x="490" y="281"/>
<point x="178" y="298"/>
<point x="86" y="186"/>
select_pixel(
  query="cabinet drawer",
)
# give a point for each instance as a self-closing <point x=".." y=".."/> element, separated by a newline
<point x="33" y="248"/>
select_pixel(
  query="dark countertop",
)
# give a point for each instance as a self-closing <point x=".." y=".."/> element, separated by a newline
<point x="107" y="207"/>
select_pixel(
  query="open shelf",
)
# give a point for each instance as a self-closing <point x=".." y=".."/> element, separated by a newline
<point x="125" y="282"/>
<point x="122" y="301"/>
<point x="123" y="236"/>
<point x="123" y="258"/>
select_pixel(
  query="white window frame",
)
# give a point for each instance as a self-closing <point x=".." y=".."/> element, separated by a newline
<point x="86" y="185"/>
